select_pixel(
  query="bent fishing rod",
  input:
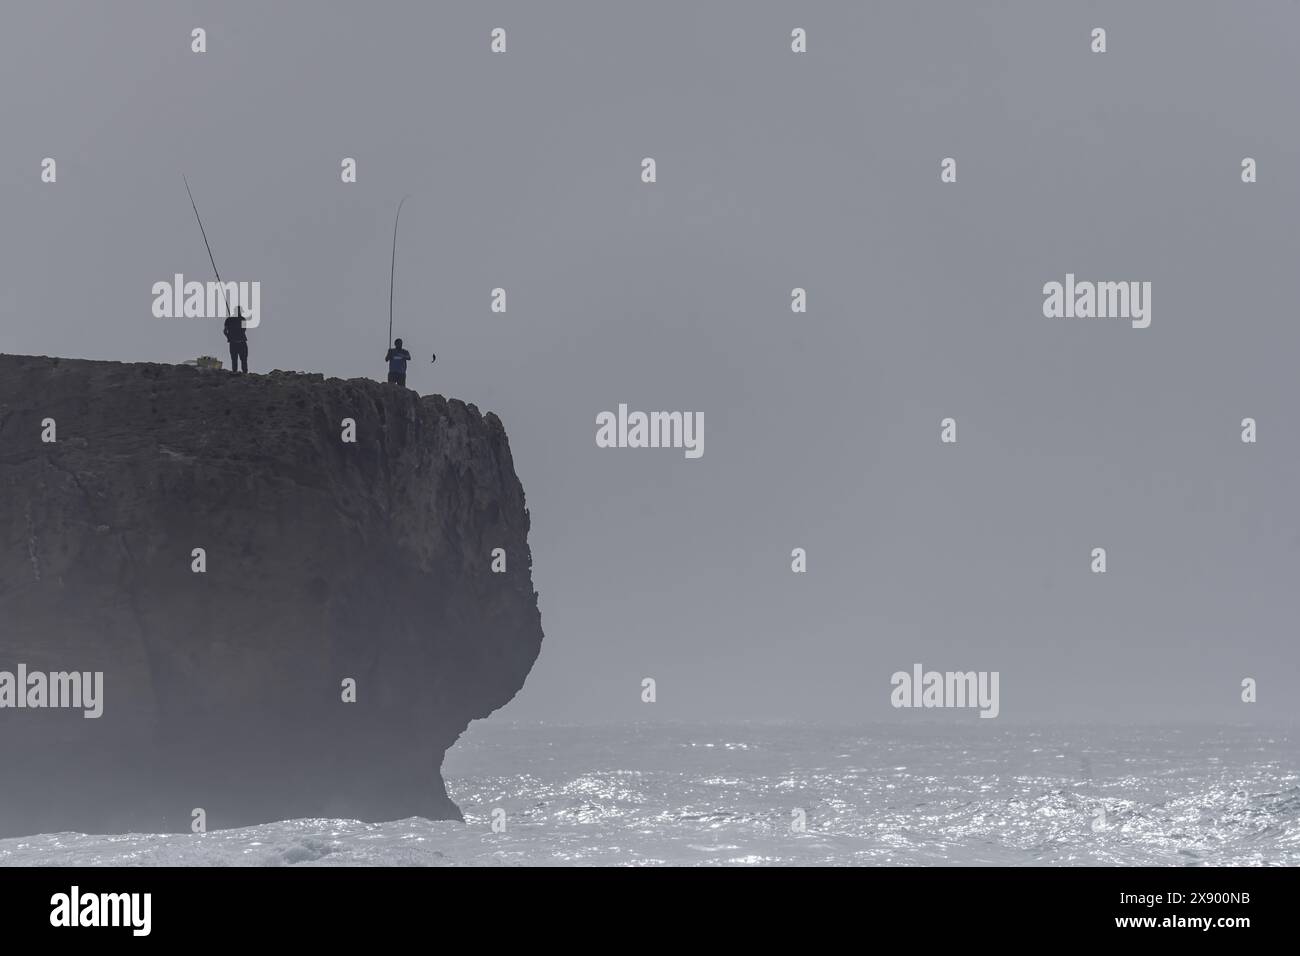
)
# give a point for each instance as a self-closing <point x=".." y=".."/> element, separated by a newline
<point x="392" y="274"/>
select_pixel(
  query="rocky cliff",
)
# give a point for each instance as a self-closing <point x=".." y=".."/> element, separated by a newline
<point x="323" y="561"/>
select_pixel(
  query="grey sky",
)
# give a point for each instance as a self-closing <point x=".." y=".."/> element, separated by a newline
<point x="821" y="430"/>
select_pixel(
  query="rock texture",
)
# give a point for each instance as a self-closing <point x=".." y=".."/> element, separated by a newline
<point x="324" y="561"/>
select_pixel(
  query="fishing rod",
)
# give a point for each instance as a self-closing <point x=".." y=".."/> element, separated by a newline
<point x="220" y="285"/>
<point x="392" y="274"/>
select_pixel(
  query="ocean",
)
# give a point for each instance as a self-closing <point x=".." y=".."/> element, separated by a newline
<point x="735" y="794"/>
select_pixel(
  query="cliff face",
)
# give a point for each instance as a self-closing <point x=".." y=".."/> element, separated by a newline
<point x="325" y="561"/>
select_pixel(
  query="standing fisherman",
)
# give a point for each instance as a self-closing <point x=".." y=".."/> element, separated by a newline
<point x="397" y="358"/>
<point x="237" y="336"/>
<point x="234" y="327"/>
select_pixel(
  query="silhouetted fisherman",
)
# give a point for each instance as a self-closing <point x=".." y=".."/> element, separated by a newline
<point x="238" y="339"/>
<point x="397" y="358"/>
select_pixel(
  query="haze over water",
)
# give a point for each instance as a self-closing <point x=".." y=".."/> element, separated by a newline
<point x="691" y="794"/>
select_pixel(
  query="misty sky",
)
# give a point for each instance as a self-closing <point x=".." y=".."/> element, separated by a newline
<point x="821" y="430"/>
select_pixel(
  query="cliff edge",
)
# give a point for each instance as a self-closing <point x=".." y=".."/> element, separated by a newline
<point x="225" y="671"/>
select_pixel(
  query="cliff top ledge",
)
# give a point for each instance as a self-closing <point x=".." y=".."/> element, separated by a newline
<point x="12" y="363"/>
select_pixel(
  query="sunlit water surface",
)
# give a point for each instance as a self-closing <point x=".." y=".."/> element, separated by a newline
<point x="644" y="795"/>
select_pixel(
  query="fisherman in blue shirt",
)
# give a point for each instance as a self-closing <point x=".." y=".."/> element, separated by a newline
<point x="397" y="358"/>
